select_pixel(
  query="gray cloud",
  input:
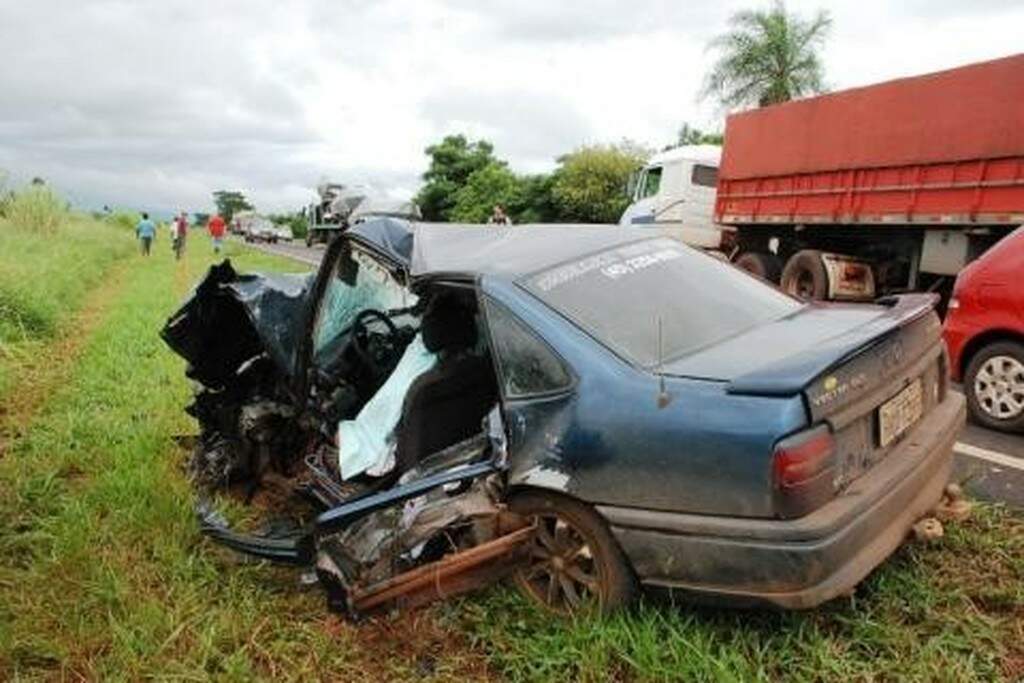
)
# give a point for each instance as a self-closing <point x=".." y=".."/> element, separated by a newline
<point x="528" y="128"/>
<point x="156" y="103"/>
<point x="543" y="21"/>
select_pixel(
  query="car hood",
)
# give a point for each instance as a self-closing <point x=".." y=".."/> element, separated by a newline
<point x="784" y="356"/>
<point x="230" y="318"/>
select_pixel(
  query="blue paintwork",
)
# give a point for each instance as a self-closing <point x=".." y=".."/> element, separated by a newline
<point x="607" y="441"/>
<point x="793" y="351"/>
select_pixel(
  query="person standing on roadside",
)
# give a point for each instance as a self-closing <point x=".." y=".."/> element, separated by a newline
<point x="216" y="227"/>
<point x="498" y="216"/>
<point x="180" y="225"/>
<point x="145" y="230"/>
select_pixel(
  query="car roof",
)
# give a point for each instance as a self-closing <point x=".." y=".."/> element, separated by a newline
<point x="509" y="252"/>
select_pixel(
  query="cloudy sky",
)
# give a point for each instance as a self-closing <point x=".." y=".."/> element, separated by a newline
<point x="155" y="104"/>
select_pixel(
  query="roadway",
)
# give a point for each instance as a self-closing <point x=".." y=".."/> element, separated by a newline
<point x="989" y="464"/>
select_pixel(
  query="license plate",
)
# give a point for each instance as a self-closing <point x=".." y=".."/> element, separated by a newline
<point x="899" y="413"/>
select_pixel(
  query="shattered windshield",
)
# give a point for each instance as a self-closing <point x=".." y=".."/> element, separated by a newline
<point x="372" y="287"/>
<point x="623" y="296"/>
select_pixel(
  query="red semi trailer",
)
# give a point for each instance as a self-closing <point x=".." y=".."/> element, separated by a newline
<point x="887" y="188"/>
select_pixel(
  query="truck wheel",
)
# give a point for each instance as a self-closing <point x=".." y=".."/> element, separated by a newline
<point x="805" y="276"/>
<point x="309" y="240"/>
<point x="575" y="562"/>
<point x="994" y="384"/>
<point x="763" y="264"/>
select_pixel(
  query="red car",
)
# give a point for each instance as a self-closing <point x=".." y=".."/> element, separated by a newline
<point x="984" y="332"/>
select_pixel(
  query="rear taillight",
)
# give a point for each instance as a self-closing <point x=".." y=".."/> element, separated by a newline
<point x="803" y="469"/>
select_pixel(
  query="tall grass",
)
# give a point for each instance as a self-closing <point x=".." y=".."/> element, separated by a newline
<point x="50" y="259"/>
<point x="36" y="209"/>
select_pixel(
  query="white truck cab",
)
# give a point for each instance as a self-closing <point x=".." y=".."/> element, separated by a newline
<point x="675" y="194"/>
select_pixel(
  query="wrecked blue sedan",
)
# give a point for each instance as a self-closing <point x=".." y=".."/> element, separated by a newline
<point x="588" y="410"/>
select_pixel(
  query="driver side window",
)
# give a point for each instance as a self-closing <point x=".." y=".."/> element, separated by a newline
<point x="651" y="182"/>
<point x="373" y="287"/>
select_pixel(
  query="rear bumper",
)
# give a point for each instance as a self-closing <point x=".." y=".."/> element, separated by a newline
<point x="803" y="562"/>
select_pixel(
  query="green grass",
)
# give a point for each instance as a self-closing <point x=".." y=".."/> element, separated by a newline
<point x="46" y="274"/>
<point x="953" y="611"/>
<point x="104" y="576"/>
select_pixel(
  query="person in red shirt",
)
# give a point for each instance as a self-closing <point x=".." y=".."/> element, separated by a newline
<point x="216" y="227"/>
<point x="180" y="224"/>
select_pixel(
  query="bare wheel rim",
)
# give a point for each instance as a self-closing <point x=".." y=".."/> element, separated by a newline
<point x="562" y="573"/>
<point x="999" y="387"/>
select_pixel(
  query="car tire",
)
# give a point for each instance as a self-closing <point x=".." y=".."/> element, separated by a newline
<point x="765" y="265"/>
<point x="575" y="562"/>
<point x="994" y="386"/>
<point x="805" y="276"/>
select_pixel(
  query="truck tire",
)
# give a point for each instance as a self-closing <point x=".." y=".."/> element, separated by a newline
<point x="763" y="264"/>
<point x="994" y="385"/>
<point x="805" y="276"/>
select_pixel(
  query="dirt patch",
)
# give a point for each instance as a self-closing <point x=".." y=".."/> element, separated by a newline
<point x="39" y="374"/>
<point x="414" y="641"/>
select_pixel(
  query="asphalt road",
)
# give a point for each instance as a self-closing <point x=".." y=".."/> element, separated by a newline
<point x="989" y="464"/>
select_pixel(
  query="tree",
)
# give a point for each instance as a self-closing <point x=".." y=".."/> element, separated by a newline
<point x="296" y="220"/>
<point x="230" y="202"/>
<point x="767" y="57"/>
<point x="452" y="162"/>
<point x="485" y="187"/>
<point x="200" y="219"/>
<point x="690" y="135"/>
<point x="589" y="185"/>
<point x="534" y="203"/>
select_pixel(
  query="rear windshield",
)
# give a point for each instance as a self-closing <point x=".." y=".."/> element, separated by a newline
<point x="622" y="296"/>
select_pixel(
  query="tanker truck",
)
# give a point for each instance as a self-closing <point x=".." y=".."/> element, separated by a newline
<point x="340" y="206"/>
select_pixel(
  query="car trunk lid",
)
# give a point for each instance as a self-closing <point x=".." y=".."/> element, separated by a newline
<point x="784" y="357"/>
<point x="870" y="379"/>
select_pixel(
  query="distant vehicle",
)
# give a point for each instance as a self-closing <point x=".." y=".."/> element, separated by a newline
<point x="240" y="221"/>
<point x="675" y="194"/>
<point x="984" y="332"/>
<point x="260" y="229"/>
<point x="283" y="232"/>
<point x="888" y="188"/>
<point x="341" y="206"/>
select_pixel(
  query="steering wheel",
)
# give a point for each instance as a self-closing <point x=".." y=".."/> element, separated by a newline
<point x="361" y="335"/>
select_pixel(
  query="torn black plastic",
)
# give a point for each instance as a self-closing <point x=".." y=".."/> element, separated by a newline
<point x="231" y="318"/>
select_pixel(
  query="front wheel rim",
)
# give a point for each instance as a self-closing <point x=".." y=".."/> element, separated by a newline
<point x="562" y="573"/>
<point x="999" y="387"/>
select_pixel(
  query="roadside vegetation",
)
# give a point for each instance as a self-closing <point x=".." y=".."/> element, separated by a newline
<point x="50" y="258"/>
<point x="104" y="575"/>
<point x="950" y="611"/>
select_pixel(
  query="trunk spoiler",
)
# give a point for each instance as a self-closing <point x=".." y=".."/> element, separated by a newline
<point x="793" y="374"/>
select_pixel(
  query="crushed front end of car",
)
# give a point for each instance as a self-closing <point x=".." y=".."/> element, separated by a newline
<point x="265" y="446"/>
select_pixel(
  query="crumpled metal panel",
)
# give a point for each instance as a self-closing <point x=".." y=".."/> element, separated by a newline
<point x="229" y="318"/>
